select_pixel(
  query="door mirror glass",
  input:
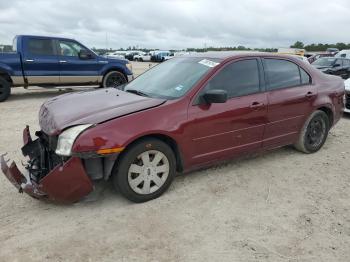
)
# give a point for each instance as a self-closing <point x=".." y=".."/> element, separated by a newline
<point x="85" y="54"/>
<point x="215" y="96"/>
<point x="336" y="65"/>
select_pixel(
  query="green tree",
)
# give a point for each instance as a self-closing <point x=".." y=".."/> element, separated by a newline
<point x="298" y="44"/>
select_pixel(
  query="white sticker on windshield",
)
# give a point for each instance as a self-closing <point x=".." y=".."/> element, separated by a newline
<point x="208" y="63"/>
<point x="179" y="87"/>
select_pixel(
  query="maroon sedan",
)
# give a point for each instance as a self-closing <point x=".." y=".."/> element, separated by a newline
<point x="186" y="113"/>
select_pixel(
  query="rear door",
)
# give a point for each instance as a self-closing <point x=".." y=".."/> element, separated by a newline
<point x="290" y="100"/>
<point x="40" y="61"/>
<point x="74" y="70"/>
<point x="219" y="131"/>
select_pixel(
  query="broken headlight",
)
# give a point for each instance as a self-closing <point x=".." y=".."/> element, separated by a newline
<point x="66" y="139"/>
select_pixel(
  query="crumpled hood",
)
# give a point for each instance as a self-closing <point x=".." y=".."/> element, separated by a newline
<point x="90" y="107"/>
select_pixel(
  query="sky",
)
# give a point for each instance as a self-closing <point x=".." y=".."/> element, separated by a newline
<point x="179" y="24"/>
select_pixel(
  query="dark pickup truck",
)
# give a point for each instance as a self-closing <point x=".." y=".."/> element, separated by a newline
<point x="52" y="61"/>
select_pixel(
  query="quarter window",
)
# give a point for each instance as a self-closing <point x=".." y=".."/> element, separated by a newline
<point x="40" y="47"/>
<point x="282" y="73"/>
<point x="238" y="79"/>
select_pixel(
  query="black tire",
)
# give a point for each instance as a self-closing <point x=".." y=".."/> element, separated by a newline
<point x="113" y="79"/>
<point x="314" y="133"/>
<point x="121" y="174"/>
<point x="5" y="89"/>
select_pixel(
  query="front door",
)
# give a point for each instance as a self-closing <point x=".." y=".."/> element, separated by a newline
<point x="40" y="61"/>
<point x="73" y="69"/>
<point x="291" y="96"/>
<point x="220" y="131"/>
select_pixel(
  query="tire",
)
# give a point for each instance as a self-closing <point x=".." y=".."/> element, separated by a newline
<point x="113" y="79"/>
<point x="314" y="133"/>
<point x="5" y="89"/>
<point x="131" y="174"/>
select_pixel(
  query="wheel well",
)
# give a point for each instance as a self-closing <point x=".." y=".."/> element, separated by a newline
<point x="170" y="142"/>
<point x="114" y="69"/>
<point x="6" y="76"/>
<point x="329" y="113"/>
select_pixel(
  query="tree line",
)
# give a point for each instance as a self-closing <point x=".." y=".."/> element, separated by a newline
<point x="319" y="47"/>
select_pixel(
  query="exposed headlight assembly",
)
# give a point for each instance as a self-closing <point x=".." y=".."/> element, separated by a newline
<point x="66" y="139"/>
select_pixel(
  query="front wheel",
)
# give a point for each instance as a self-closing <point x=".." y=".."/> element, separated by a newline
<point x="5" y="89"/>
<point x="314" y="133"/>
<point x="113" y="79"/>
<point x="145" y="171"/>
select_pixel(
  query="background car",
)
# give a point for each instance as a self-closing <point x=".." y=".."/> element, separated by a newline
<point x="160" y="56"/>
<point x="314" y="57"/>
<point x="145" y="57"/>
<point x="130" y="55"/>
<point x="347" y="96"/>
<point x="334" y="66"/>
<point x="344" y="54"/>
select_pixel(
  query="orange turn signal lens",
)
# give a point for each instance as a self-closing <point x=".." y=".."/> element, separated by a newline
<point x="107" y="151"/>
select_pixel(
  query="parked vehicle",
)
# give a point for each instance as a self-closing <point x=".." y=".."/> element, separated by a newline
<point x="146" y="57"/>
<point x="347" y="96"/>
<point x="343" y="54"/>
<point x="117" y="54"/>
<point x="187" y="113"/>
<point x="291" y="51"/>
<point x="334" y="66"/>
<point x="160" y="56"/>
<point x="52" y="61"/>
<point x="314" y="57"/>
<point x="130" y="55"/>
<point x="332" y="51"/>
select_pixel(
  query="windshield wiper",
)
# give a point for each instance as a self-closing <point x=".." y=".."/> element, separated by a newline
<point x="137" y="92"/>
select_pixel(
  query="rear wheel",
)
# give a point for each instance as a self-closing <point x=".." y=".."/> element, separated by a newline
<point x="5" y="89"/>
<point x="314" y="133"/>
<point x="145" y="171"/>
<point x="113" y="79"/>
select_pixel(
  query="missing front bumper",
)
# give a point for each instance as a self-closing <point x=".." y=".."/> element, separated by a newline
<point x="65" y="183"/>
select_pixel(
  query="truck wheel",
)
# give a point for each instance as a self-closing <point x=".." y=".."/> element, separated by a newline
<point x="113" y="79"/>
<point x="145" y="171"/>
<point x="5" y="89"/>
<point x="314" y="133"/>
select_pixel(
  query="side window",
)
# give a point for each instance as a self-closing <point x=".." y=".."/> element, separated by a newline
<point x="281" y="73"/>
<point x="305" y="78"/>
<point x="68" y="48"/>
<point x="346" y="62"/>
<point x="339" y="62"/>
<point x="238" y="79"/>
<point x="40" y="47"/>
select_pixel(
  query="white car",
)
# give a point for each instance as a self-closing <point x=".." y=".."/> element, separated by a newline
<point x="343" y="53"/>
<point x="347" y="96"/>
<point x="116" y="54"/>
<point x="145" y="57"/>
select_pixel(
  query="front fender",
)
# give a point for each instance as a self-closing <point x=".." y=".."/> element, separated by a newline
<point x="115" y="66"/>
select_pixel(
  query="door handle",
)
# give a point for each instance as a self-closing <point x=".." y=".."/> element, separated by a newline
<point x="309" y="95"/>
<point x="257" y="105"/>
<point x="63" y="61"/>
<point x="29" y="60"/>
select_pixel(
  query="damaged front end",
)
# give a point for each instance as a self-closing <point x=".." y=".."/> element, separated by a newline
<point x="48" y="175"/>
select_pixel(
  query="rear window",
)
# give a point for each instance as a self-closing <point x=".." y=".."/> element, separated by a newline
<point x="40" y="47"/>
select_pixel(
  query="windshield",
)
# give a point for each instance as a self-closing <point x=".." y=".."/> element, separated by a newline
<point x="326" y="61"/>
<point x="172" y="79"/>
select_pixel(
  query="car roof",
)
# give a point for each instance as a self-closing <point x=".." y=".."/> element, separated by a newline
<point x="48" y="37"/>
<point x="222" y="55"/>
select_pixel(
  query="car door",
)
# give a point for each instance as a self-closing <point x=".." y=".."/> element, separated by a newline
<point x="338" y="68"/>
<point x="290" y="101"/>
<point x="73" y="68"/>
<point x="346" y="64"/>
<point x="40" y="61"/>
<point x="219" y="131"/>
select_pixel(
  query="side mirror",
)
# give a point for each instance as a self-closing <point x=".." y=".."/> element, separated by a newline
<point x="215" y="96"/>
<point x="336" y="65"/>
<point x="85" y="54"/>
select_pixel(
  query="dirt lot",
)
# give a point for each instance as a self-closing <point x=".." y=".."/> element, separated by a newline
<point x="280" y="206"/>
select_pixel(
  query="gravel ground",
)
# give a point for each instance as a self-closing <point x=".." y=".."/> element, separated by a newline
<point x="279" y="206"/>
